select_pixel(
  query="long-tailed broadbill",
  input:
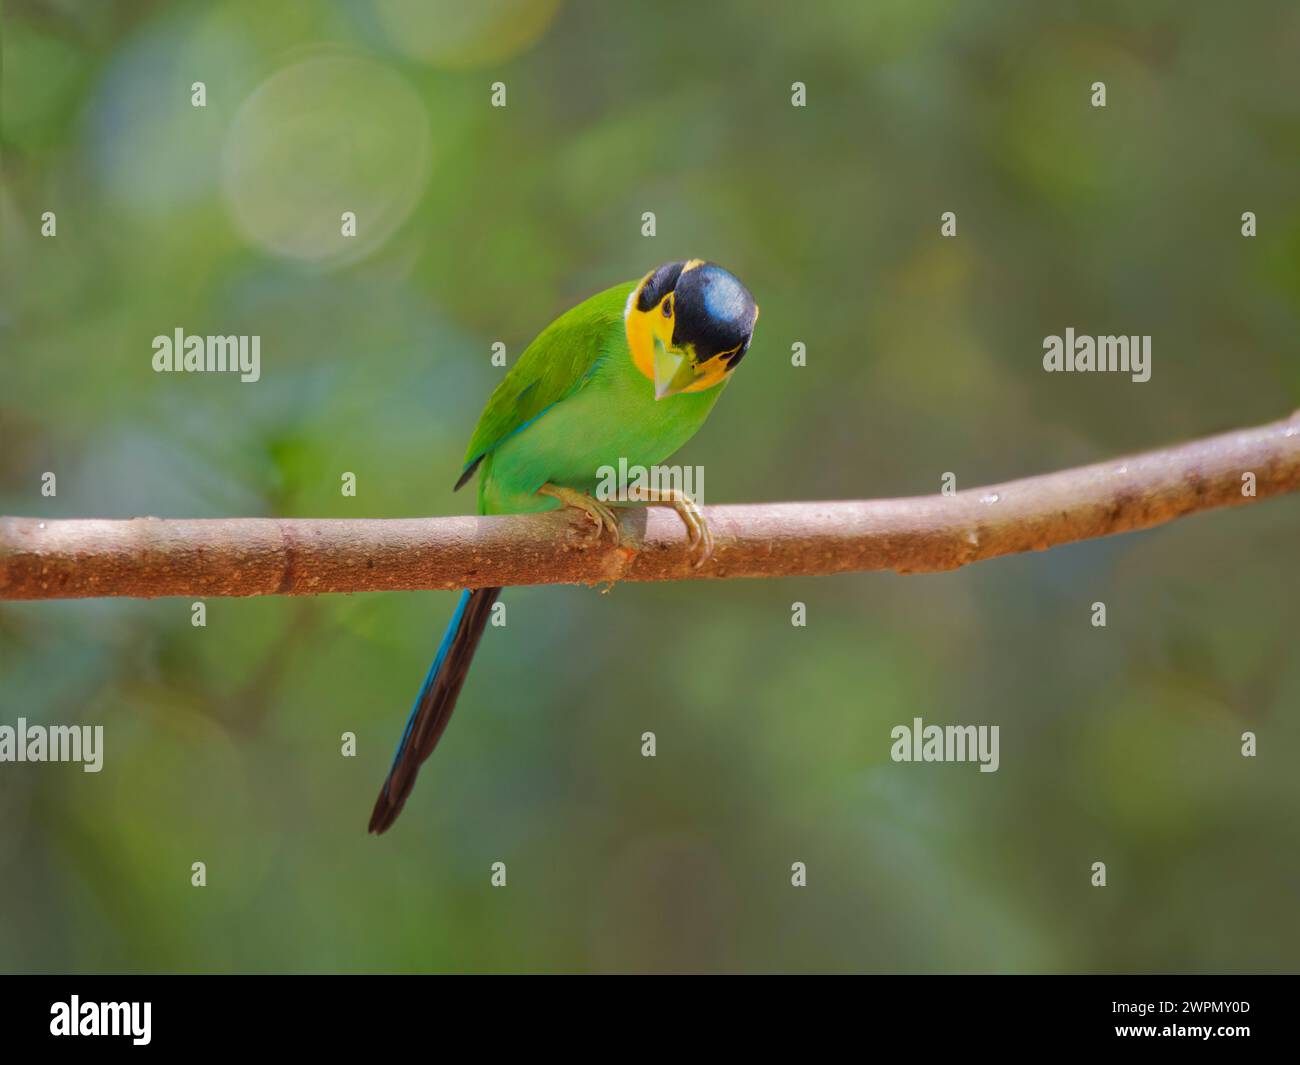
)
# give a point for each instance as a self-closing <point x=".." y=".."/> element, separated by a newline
<point x="629" y="376"/>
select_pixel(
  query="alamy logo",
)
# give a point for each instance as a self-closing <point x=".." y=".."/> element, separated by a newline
<point x="1085" y="354"/>
<point x="626" y="483"/>
<point x="102" y="1018"/>
<point x="212" y="354"/>
<point x="53" y="743"/>
<point x="946" y="743"/>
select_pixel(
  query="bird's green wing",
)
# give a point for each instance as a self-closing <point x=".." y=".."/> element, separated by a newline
<point x="552" y="367"/>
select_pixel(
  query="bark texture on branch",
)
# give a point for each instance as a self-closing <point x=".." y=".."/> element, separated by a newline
<point x="149" y="557"/>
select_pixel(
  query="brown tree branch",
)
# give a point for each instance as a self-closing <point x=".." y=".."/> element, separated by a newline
<point x="147" y="557"/>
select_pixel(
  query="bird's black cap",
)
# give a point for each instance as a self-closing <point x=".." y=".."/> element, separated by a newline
<point x="715" y="313"/>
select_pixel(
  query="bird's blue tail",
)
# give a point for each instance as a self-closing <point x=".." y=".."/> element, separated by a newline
<point x="432" y="675"/>
<point x="434" y="704"/>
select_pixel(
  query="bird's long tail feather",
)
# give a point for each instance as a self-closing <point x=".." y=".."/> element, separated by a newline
<point x="434" y="704"/>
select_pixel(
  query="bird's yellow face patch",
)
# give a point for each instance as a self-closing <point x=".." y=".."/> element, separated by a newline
<point x="662" y="343"/>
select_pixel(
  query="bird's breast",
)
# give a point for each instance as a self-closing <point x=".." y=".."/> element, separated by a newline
<point x="613" y="418"/>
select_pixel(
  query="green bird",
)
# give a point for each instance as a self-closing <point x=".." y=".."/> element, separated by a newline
<point x="629" y="374"/>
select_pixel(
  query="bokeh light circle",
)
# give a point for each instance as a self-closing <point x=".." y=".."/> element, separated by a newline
<point x="455" y="35"/>
<point x="330" y="134"/>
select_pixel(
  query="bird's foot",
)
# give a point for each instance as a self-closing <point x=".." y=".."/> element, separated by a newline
<point x="601" y="514"/>
<point x="692" y="517"/>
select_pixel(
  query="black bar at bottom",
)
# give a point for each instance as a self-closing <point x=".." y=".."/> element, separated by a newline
<point x="337" y="1014"/>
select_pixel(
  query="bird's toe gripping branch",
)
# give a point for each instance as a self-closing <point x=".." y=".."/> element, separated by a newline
<point x="697" y="528"/>
<point x="601" y="514"/>
<point x="605" y="519"/>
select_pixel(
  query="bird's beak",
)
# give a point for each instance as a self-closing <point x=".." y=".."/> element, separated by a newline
<point x="673" y="371"/>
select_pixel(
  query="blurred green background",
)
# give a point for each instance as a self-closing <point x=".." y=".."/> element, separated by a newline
<point x="477" y="224"/>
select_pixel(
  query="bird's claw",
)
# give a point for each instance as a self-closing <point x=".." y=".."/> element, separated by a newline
<point x="700" y="544"/>
<point x="600" y="514"/>
<point x="603" y="517"/>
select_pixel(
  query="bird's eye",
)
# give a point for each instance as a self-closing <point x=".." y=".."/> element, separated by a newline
<point x="668" y="307"/>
